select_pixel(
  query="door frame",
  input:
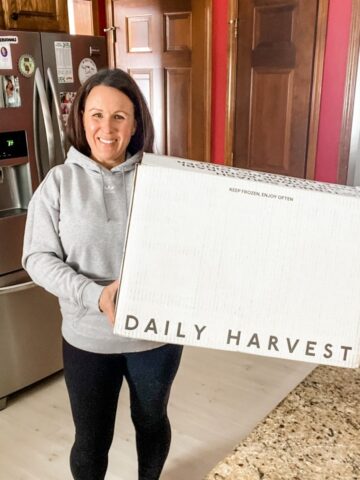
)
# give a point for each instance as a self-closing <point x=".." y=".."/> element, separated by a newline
<point x="201" y="51"/>
<point x="320" y="40"/>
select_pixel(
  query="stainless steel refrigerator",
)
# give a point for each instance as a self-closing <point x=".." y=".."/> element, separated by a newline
<point x="39" y="76"/>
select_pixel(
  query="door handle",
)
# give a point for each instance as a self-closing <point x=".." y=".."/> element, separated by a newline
<point x="112" y="29"/>
<point x="17" y="288"/>
<point x="39" y="91"/>
<point x="58" y="111"/>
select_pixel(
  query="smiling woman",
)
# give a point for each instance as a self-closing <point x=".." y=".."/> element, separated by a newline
<point x="109" y="124"/>
<point x="73" y="246"/>
<point x="143" y="137"/>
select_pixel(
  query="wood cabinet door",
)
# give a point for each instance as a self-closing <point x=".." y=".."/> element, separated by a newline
<point x="154" y="41"/>
<point x="83" y="17"/>
<point x="276" y="41"/>
<point x="38" y="15"/>
<point x="2" y="19"/>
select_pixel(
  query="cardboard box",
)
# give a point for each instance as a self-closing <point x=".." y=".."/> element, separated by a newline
<point x="239" y="260"/>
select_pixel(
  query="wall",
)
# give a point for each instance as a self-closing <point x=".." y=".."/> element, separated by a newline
<point x="332" y="98"/>
<point x="102" y="17"/>
<point x="219" y="72"/>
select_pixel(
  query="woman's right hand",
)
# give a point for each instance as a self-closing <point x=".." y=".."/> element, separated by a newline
<point x="107" y="300"/>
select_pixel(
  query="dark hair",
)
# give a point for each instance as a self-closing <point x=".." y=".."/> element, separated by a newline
<point x="143" y="138"/>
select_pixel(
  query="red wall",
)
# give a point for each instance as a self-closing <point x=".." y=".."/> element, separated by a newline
<point x="102" y="17"/>
<point x="332" y="98"/>
<point x="219" y="68"/>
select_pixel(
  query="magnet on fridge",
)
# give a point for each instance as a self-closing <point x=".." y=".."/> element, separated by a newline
<point x="5" y="56"/>
<point x="26" y="65"/>
<point x="10" y="91"/>
<point x="87" y="68"/>
<point x="66" y="100"/>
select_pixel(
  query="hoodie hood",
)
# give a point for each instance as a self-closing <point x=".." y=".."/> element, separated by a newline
<point x="109" y="178"/>
<point x="78" y="158"/>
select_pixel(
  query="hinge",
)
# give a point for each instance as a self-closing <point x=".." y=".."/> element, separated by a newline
<point x="234" y="22"/>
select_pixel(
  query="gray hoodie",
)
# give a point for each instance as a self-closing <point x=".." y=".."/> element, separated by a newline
<point x="73" y="245"/>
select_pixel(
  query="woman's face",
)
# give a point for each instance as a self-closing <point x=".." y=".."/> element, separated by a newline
<point x="109" y="124"/>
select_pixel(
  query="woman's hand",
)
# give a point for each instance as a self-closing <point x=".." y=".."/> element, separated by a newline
<point x="107" y="300"/>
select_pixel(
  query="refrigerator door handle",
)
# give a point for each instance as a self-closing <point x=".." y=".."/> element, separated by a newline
<point x="60" y="123"/>
<point x="39" y="91"/>
<point x="94" y="51"/>
<point x="17" y="288"/>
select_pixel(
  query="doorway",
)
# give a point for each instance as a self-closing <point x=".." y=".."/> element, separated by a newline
<point x="165" y="45"/>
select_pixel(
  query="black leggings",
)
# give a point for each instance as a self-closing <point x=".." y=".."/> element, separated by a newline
<point x="94" y="380"/>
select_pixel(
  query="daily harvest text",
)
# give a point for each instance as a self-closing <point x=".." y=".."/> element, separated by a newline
<point x="253" y="341"/>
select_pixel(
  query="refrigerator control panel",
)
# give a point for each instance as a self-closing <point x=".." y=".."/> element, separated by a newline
<point x="13" y="145"/>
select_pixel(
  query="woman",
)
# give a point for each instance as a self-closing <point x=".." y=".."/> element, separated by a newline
<point x="73" y="247"/>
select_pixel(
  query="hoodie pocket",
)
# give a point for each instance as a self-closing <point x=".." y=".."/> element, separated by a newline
<point x="72" y="310"/>
<point x="92" y="325"/>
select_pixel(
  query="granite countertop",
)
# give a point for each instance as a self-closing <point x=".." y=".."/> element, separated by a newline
<point x="313" y="434"/>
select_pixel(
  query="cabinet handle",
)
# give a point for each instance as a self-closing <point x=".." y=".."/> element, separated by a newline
<point x="110" y="29"/>
<point x="14" y="16"/>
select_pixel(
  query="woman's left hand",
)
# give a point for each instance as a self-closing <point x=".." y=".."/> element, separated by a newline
<point x="107" y="300"/>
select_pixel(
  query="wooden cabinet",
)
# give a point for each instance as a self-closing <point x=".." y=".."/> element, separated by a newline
<point x="83" y="17"/>
<point x="39" y="15"/>
<point x="2" y="21"/>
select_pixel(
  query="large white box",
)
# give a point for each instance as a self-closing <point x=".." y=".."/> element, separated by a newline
<point x="234" y="259"/>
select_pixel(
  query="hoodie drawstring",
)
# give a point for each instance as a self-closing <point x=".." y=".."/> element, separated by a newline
<point x="103" y="195"/>
<point x="125" y="191"/>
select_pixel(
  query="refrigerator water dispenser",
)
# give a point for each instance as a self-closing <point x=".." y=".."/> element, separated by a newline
<point x="15" y="194"/>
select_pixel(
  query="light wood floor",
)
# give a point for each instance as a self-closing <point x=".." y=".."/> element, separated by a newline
<point x="217" y="399"/>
